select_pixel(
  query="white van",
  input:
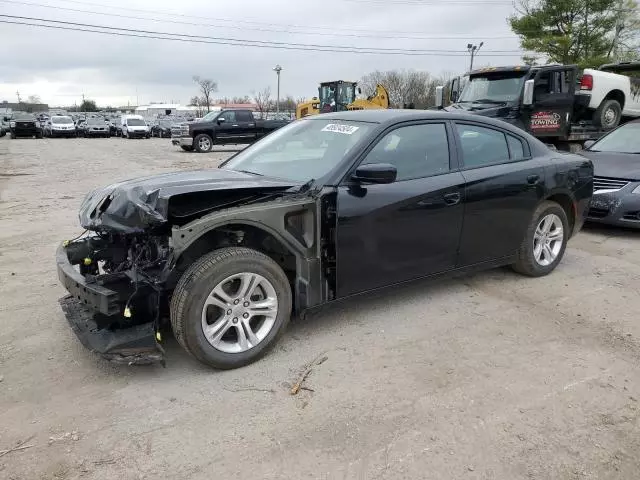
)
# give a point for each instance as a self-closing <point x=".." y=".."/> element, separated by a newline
<point x="134" y="126"/>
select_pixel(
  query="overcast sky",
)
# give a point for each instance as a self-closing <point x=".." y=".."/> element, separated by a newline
<point x="60" y="65"/>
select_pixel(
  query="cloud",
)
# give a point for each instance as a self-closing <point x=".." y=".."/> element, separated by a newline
<point x="61" y="65"/>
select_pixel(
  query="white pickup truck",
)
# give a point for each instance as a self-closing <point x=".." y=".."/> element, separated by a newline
<point x="613" y="91"/>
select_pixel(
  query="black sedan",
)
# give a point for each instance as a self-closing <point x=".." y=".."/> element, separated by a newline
<point x="323" y="209"/>
<point x="25" y="125"/>
<point x="162" y="129"/>
<point x="616" y="161"/>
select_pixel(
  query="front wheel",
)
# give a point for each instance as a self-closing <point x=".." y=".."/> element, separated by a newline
<point x="608" y="115"/>
<point x="203" y="143"/>
<point x="230" y="306"/>
<point x="545" y="241"/>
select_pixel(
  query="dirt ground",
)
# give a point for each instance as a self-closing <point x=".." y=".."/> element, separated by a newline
<point x="493" y="376"/>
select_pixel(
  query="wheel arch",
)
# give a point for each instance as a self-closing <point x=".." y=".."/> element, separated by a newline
<point x="301" y="269"/>
<point x="617" y="95"/>
<point x="566" y="201"/>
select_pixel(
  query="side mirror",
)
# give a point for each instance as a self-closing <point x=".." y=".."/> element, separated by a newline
<point x="375" y="173"/>
<point x="588" y="144"/>
<point x="527" y="96"/>
<point x="455" y="90"/>
<point x="221" y="120"/>
<point x="439" y="97"/>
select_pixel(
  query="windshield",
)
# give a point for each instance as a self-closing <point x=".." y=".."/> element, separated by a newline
<point x="23" y="116"/>
<point x="95" y="121"/>
<point x="502" y="87"/>
<point x="336" y="97"/>
<point x="210" y="116"/>
<point x="165" y="123"/>
<point x="61" y="120"/>
<point x="135" y="122"/>
<point x="625" y="139"/>
<point x="301" y="151"/>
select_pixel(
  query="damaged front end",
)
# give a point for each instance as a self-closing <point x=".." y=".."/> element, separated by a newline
<point x="120" y="276"/>
<point x="116" y="294"/>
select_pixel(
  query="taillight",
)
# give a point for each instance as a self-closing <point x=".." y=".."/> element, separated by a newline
<point x="586" y="82"/>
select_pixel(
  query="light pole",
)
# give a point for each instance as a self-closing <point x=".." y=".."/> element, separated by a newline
<point x="473" y="50"/>
<point x="278" y="69"/>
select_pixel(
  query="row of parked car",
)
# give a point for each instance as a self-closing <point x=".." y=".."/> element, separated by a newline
<point x="21" y="124"/>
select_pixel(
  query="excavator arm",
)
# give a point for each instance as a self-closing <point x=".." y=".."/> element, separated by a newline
<point x="379" y="100"/>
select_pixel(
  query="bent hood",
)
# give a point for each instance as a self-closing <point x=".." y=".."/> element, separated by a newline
<point x="154" y="201"/>
<point x="484" y="109"/>
<point x="615" y="165"/>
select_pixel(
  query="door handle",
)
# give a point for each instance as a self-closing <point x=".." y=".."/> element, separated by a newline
<point x="452" y="198"/>
<point x="235" y="125"/>
<point x="252" y="125"/>
<point x="533" y="179"/>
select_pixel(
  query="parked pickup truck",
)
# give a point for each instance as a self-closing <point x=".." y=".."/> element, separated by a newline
<point x="329" y="207"/>
<point x="224" y="127"/>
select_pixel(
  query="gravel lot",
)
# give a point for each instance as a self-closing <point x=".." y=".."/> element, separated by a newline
<point x="493" y="376"/>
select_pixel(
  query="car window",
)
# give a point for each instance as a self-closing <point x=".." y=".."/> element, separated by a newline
<point x="244" y="116"/>
<point x="416" y="151"/>
<point x="516" y="148"/>
<point x="482" y="146"/>
<point x="229" y="116"/>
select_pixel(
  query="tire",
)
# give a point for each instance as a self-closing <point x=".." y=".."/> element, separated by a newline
<point x="203" y="143"/>
<point x="532" y="265"/>
<point x="195" y="287"/>
<point x="39" y="135"/>
<point x="608" y="115"/>
<point x="186" y="148"/>
<point x="12" y="136"/>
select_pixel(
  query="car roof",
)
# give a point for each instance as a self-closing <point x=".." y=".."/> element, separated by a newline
<point x="391" y="116"/>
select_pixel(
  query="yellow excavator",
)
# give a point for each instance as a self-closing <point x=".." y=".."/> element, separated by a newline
<point x="341" y="95"/>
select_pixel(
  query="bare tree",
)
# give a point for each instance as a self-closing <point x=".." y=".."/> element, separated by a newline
<point x="263" y="100"/>
<point x="405" y="87"/>
<point x="244" y="99"/>
<point x="34" y="99"/>
<point x="194" y="102"/>
<point x="207" y="87"/>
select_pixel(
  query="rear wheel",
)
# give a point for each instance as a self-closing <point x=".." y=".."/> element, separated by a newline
<point x="203" y="143"/>
<point x="545" y="241"/>
<point x="230" y="306"/>
<point x="608" y="114"/>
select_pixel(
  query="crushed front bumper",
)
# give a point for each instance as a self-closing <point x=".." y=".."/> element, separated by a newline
<point x="93" y="309"/>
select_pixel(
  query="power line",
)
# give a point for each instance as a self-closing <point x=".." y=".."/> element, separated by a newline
<point x="419" y="3"/>
<point x="247" y="41"/>
<point x="174" y="14"/>
<point x="258" y="29"/>
<point x="214" y="42"/>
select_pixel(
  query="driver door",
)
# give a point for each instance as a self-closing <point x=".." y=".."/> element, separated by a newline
<point x="391" y="233"/>
<point x="227" y="129"/>
<point x="553" y="102"/>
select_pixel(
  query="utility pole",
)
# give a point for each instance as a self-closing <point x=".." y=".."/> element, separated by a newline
<point x="473" y="51"/>
<point x="18" y="95"/>
<point x="278" y="69"/>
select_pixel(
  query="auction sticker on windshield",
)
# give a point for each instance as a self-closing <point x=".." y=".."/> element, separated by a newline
<point x="337" y="128"/>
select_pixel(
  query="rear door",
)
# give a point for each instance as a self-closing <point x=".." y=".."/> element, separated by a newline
<point x="504" y="185"/>
<point x="553" y="102"/>
<point x="247" y="125"/>
<point x="407" y="229"/>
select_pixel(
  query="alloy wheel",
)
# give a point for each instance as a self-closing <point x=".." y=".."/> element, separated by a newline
<point x="548" y="239"/>
<point x="239" y="312"/>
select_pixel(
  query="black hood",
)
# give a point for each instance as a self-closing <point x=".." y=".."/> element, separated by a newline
<point x="484" y="109"/>
<point x="615" y="165"/>
<point x="148" y="202"/>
